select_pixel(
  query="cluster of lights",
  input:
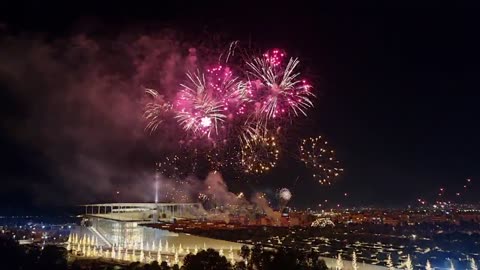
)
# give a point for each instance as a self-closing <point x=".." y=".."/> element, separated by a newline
<point x="442" y="194"/>
<point x="322" y="223"/>
<point x="317" y="155"/>
<point x="203" y="197"/>
<point x="222" y="158"/>
<point x="228" y="89"/>
<point x="261" y="155"/>
<point x="274" y="57"/>
<point x="170" y="166"/>
<point x="176" y="167"/>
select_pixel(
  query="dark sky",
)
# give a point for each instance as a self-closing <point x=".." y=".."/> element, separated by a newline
<point x="397" y="93"/>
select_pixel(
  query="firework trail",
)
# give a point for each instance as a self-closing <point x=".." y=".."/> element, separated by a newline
<point x="249" y="131"/>
<point x="230" y="52"/>
<point x="156" y="110"/>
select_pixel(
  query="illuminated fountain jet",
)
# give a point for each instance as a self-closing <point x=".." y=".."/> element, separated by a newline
<point x="159" y="257"/>
<point x="134" y="257"/>
<point x="142" y="256"/>
<point x="232" y="260"/>
<point x="176" y="257"/>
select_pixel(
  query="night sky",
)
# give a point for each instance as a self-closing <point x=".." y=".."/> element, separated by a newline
<point x="397" y="97"/>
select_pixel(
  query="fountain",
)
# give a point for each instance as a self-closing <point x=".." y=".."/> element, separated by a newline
<point x="134" y="257"/>
<point x="142" y="256"/>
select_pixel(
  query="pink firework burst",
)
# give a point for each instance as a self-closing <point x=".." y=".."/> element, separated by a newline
<point x="276" y="86"/>
<point x="196" y="109"/>
<point x="208" y="99"/>
<point x="274" y="57"/>
<point x="229" y="89"/>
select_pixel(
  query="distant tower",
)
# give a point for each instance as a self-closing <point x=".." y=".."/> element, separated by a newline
<point x="155" y="214"/>
<point x="156" y="188"/>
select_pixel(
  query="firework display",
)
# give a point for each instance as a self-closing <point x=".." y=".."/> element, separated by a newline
<point x="320" y="157"/>
<point x="234" y="114"/>
<point x="261" y="155"/>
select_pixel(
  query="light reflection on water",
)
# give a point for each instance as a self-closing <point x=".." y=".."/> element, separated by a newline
<point x="134" y="235"/>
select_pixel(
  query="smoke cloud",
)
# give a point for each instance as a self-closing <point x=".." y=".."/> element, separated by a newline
<point x="76" y="103"/>
<point x="220" y="202"/>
